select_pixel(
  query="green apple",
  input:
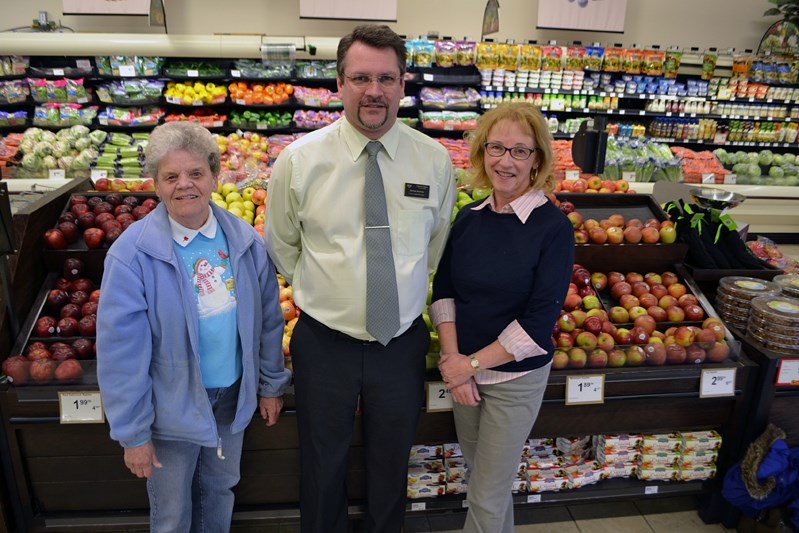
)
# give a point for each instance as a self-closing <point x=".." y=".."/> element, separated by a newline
<point x="428" y="322"/>
<point x="463" y="196"/>
<point x="227" y="188"/>
<point x="247" y="193"/>
<point x="479" y="193"/>
<point x="435" y="344"/>
<point x="233" y="197"/>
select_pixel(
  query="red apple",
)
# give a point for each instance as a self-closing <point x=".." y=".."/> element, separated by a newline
<point x="56" y="299"/>
<point x="67" y="327"/>
<point x="93" y="237"/>
<point x="564" y="340"/>
<point x="617" y="220"/>
<point x="617" y="358"/>
<point x="112" y="234"/>
<point x="42" y="370"/>
<point x="593" y="325"/>
<point x="658" y="290"/>
<point x="73" y="268"/>
<point x="652" y="277"/>
<point x="614" y="277"/>
<point x="102" y="217"/>
<point x="605" y="341"/>
<point x="638" y="335"/>
<point x="716" y="326"/>
<point x="572" y="301"/>
<point x="677" y="289"/>
<point x="632" y="277"/>
<point x="675" y="313"/>
<point x="17" y="368"/>
<point x="69" y="370"/>
<point x="646" y="322"/>
<point x="70" y="230"/>
<point x="620" y="288"/>
<point x="675" y="354"/>
<point x="86" y="220"/>
<point x="63" y="284"/>
<point x="83" y="284"/>
<point x="650" y="235"/>
<point x="719" y="352"/>
<point x="95" y="296"/>
<point x="658" y="313"/>
<point x="122" y="209"/>
<point x="150" y="203"/>
<point x="694" y="313"/>
<point x="598" y="235"/>
<point x="87" y="326"/>
<point x="34" y="353"/>
<point x="687" y="299"/>
<point x="615" y="235"/>
<point x="668" y="301"/>
<point x="632" y="235"/>
<point x="55" y="239"/>
<point x="647" y="300"/>
<point x="77" y="199"/>
<point x="78" y="298"/>
<point x="139" y="212"/>
<point x="639" y="288"/>
<point x="566" y="322"/>
<point x="577" y="358"/>
<point x="114" y="198"/>
<point x="585" y="340"/>
<point x="684" y="336"/>
<point x="695" y="354"/>
<point x="628" y="301"/>
<point x="635" y="355"/>
<point x="655" y="354"/>
<point x="79" y="209"/>
<point x="623" y="336"/>
<point x="669" y="278"/>
<point x="83" y="348"/>
<point x="599" y="281"/>
<point x="560" y="360"/>
<point x="131" y="201"/>
<point x="73" y="311"/>
<point x="598" y="358"/>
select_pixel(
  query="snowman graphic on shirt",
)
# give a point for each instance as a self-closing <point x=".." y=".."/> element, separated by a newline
<point x="212" y="291"/>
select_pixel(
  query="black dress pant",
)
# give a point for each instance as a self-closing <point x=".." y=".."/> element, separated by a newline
<point x="331" y="370"/>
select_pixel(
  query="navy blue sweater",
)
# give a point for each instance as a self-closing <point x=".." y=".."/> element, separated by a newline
<point x="499" y="270"/>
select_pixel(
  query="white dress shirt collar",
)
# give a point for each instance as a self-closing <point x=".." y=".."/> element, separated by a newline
<point x="183" y="235"/>
<point x="357" y="141"/>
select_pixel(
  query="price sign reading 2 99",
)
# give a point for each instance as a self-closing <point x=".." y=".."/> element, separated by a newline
<point x="81" y="407"/>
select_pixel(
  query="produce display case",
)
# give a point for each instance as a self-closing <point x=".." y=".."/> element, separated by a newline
<point x="57" y="488"/>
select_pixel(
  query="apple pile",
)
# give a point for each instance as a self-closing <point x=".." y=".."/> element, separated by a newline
<point x="249" y="204"/>
<point x="587" y="335"/>
<point x="660" y="297"/>
<point x="594" y="184"/>
<point x="291" y="314"/>
<point x="120" y="185"/>
<point x="617" y="230"/>
<point x="99" y="219"/>
<point x="70" y="306"/>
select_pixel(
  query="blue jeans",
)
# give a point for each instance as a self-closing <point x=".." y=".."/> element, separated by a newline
<point x="193" y="491"/>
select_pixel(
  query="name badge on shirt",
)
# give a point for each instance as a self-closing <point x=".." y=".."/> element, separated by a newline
<point x="417" y="190"/>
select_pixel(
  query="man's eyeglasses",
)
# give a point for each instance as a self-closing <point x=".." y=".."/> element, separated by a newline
<point x="361" y="81"/>
<point x="516" y="152"/>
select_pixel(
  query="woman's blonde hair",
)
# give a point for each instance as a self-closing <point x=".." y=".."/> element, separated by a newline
<point x="531" y="121"/>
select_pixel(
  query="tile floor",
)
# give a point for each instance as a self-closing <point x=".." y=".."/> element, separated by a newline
<point x="662" y="515"/>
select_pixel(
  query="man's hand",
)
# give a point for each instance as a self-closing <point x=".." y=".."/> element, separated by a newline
<point x="270" y="409"/>
<point x="141" y="460"/>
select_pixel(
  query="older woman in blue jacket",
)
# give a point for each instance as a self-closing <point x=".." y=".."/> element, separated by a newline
<point x="188" y="338"/>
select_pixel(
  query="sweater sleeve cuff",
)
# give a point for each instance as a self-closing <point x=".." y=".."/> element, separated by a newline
<point x="442" y="310"/>
<point x="518" y="343"/>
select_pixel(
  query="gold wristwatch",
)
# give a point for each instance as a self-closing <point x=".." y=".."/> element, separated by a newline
<point x="475" y="363"/>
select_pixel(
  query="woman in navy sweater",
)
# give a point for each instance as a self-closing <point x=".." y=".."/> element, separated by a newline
<point x="496" y="296"/>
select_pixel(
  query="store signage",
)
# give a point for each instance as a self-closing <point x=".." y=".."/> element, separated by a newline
<point x="572" y="175"/>
<point x="57" y="174"/>
<point x="787" y="373"/>
<point x="715" y="383"/>
<point x="628" y="175"/>
<point x="97" y="174"/>
<point x="533" y="498"/>
<point x="585" y="389"/>
<point x="84" y="407"/>
<point x="439" y="398"/>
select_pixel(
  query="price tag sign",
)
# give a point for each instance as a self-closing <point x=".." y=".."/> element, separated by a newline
<point x="427" y="77"/>
<point x="57" y="173"/>
<point x="651" y="490"/>
<point x="98" y="174"/>
<point x="572" y="175"/>
<point x="585" y="389"/>
<point x="418" y="506"/>
<point x="58" y="72"/>
<point x="715" y="383"/>
<point x="533" y="498"/>
<point x="439" y="398"/>
<point x="235" y="73"/>
<point x="668" y="113"/>
<point x="81" y="407"/>
<point x="708" y="177"/>
<point x="787" y="373"/>
<point x="628" y="175"/>
<point x="191" y="73"/>
<point x="622" y="111"/>
<point x="557" y="105"/>
<point x="83" y="64"/>
<point x="464" y="504"/>
<point x="127" y="70"/>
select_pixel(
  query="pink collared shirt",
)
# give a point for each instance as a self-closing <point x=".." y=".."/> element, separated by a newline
<point x="513" y="338"/>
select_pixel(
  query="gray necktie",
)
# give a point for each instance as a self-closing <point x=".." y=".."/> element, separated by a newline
<point x="382" y="302"/>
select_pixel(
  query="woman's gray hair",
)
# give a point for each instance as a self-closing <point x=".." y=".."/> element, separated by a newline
<point x="188" y="136"/>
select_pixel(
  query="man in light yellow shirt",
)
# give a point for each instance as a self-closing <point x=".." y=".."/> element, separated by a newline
<point x="315" y="236"/>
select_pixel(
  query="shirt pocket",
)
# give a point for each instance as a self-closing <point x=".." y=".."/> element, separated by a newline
<point x="413" y="231"/>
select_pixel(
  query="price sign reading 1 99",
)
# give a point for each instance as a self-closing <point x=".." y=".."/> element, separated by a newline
<point x="81" y="407"/>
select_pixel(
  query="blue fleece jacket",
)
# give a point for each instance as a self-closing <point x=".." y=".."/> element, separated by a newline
<point x="147" y="334"/>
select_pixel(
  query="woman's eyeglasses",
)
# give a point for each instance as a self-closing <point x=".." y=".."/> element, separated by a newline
<point x="516" y="152"/>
